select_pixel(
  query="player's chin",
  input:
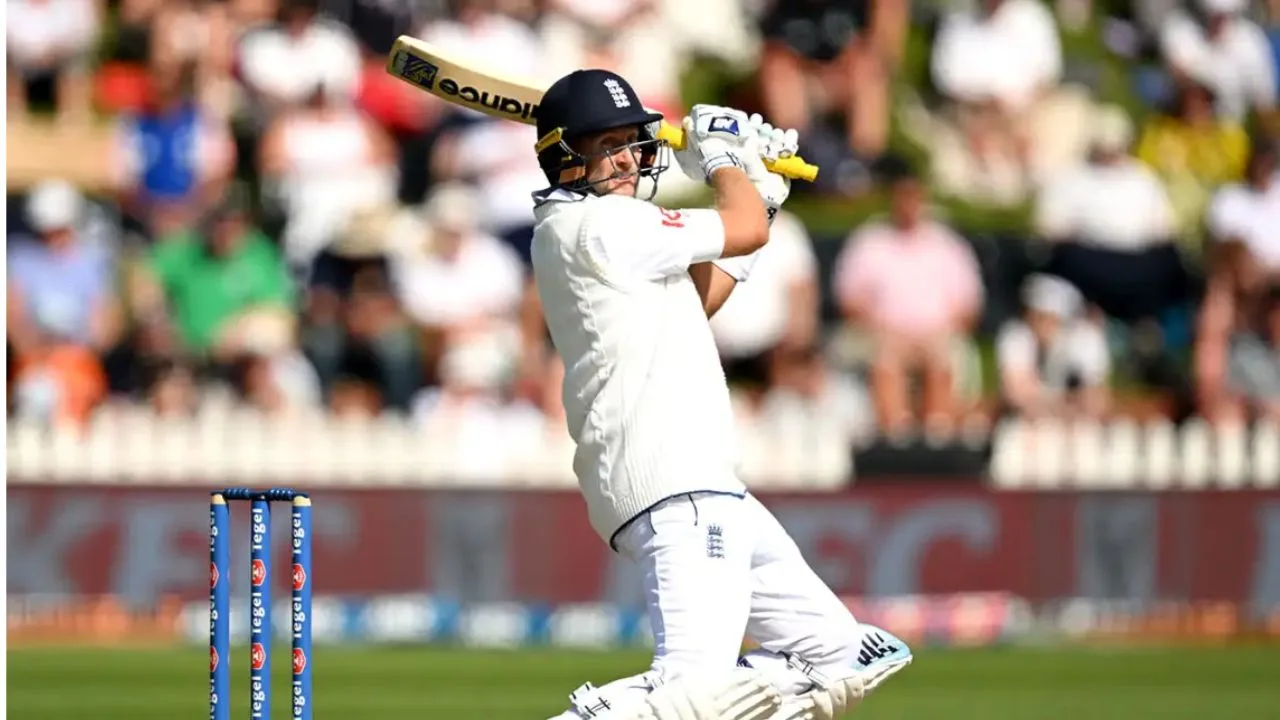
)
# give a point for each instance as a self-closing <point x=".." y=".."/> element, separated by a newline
<point x="627" y="185"/>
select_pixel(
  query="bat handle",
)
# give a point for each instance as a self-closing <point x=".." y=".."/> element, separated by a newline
<point x="793" y="167"/>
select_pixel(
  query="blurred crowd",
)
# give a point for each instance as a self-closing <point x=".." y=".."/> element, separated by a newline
<point x="279" y="223"/>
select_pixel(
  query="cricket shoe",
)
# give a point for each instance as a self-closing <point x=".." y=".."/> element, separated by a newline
<point x="829" y="695"/>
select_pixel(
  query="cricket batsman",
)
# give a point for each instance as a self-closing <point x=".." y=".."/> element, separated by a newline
<point x="627" y="289"/>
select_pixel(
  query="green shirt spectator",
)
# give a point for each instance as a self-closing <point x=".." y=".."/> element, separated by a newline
<point x="213" y="277"/>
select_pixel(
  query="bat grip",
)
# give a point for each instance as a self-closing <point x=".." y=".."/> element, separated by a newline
<point x="793" y="167"/>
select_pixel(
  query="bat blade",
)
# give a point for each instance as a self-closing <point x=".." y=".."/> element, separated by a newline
<point x="462" y="82"/>
<point x="459" y="81"/>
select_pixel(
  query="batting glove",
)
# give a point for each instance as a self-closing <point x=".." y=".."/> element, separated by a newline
<point x="772" y="144"/>
<point x="720" y="137"/>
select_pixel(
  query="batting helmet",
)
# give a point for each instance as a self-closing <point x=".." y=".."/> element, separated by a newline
<point x="586" y="102"/>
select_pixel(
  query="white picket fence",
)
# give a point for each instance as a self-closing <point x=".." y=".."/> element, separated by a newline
<point x="1128" y="455"/>
<point x="132" y="446"/>
<point x="135" y="447"/>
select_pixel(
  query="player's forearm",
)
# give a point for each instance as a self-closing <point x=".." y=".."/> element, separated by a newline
<point x="713" y="284"/>
<point x="746" y="225"/>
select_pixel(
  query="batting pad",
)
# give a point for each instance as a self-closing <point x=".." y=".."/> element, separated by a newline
<point x="742" y="695"/>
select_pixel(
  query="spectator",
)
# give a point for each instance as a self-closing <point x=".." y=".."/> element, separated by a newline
<point x="628" y="37"/>
<point x="490" y="153"/>
<point x="202" y="34"/>
<point x="914" y="286"/>
<point x="63" y="313"/>
<point x="457" y="280"/>
<point x="172" y="390"/>
<point x="158" y="37"/>
<point x="63" y="277"/>
<point x="999" y="67"/>
<point x="357" y="336"/>
<point x="776" y="310"/>
<point x="276" y="383"/>
<point x="1217" y="45"/>
<point x="824" y="57"/>
<point x="1052" y="360"/>
<point x="536" y="402"/>
<point x="1193" y="152"/>
<point x="58" y="382"/>
<point x="49" y="49"/>
<point x="1248" y="213"/>
<point x="282" y="64"/>
<point x="1236" y="341"/>
<point x="1254" y="372"/>
<point x="468" y="405"/>
<point x="806" y="392"/>
<point x="1238" y="349"/>
<point x="1112" y="228"/>
<point x="353" y="397"/>
<point x="173" y="159"/>
<point x="225" y="286"/>
<point x="325" y="161"/>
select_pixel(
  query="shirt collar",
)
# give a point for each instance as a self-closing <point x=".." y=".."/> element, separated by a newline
<point x="557" y="194"/>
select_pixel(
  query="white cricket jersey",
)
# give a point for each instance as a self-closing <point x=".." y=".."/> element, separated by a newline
<point x="644" y="393"/>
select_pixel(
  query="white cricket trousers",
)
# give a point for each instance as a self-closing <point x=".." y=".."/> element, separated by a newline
<point x="719" y="567"/>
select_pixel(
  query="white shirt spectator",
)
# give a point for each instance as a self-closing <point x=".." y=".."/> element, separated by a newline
<point x="1238" y="212"/>
<point x="502" y="42"/>
<point x="41" y="34"/>
<point x="497" y="154"/>
<point x="630" y="37"/>
<point x="331" y="167"/>
<point x="1238" y="64"/>
<point x="288" y="68"/>
<point x="446" y="271"/>
<point x="754" y="318"/>
<point x="467" y="412"/>
<point x="1077" y="351"/>
<point x="1116" y="207"/>
<point x="485" y="279"/>
<point x="842" y="404"/>
<point x="1007" y="56"/>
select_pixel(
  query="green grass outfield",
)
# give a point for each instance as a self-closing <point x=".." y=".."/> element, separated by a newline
<point x="421" y="683"/>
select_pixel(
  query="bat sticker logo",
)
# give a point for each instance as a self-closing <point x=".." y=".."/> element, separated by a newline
<point x="416" y="70"/>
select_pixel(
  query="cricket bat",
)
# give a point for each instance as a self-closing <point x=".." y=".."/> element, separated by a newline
<point x="512" y="98"/>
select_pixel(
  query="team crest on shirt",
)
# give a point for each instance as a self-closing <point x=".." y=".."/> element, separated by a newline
<point x="715" y="542"/>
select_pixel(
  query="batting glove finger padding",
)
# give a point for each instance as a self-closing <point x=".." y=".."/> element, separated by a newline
<point x="774" y="143"/>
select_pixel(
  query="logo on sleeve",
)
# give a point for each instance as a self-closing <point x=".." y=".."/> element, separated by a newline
<point x="672" y="218"/>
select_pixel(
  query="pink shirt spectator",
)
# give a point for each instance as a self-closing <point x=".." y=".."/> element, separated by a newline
<point x="917" y="282"/>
